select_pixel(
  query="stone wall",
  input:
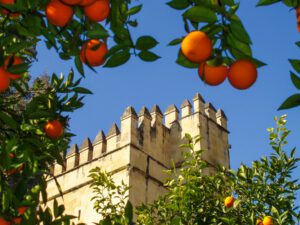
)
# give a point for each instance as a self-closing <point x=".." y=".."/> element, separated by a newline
<point x="139" y="152"/>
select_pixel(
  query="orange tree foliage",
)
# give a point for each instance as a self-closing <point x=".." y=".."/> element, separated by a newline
<point x="261" y="194"/>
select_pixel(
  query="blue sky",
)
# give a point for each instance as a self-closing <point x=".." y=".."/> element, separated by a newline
<point x="250" y="113"/>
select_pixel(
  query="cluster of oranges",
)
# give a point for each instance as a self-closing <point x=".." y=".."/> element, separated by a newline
<point x="60" y="13"/>
<point x="15" y="220"/>
<point x="5" y="76"/>
<point x="267" y="220"/>
<point x="197" y="48"/>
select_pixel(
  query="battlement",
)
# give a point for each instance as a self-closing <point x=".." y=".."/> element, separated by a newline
<point x="138" y="153"/>
<point x="142" y="129"/>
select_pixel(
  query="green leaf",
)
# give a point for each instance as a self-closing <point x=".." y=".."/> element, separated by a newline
<point x="82" y="90"/>
<point x="238" y="45"/>
<point x="291" y="3"/>
<point x="295" y="64"/>
<point x="145" y="43"/>
<point x="134" y="10"/>
<point x="296" y="80"/>
<point x="239" y="31"/>
<point x="290" y="102"/>
<point x="8" y="120"/>
<point x="266" y="2"/>
<point x="118" y="59"/>
<point x="40" y="114"/>
<point x="106" y="221"/>
<point x="178" y="4"/>
<point x="18" y="69"/>
<point x="175" y="41"/>
<point x="183" y="61"/>
<point x="79" y="65"/>
<point x="129" y="212"/>
<point x="148" y="56"/>
<point x="133" y="23"/>
<point x="298" y="43"/>
<point x="97" y="33"/>
<point x="200" y="14"/>
<point x="229" y="2"/>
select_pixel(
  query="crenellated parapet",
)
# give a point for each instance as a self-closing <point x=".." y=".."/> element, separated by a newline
<point x="139" y="152"/>
<point x="152" y="131"/>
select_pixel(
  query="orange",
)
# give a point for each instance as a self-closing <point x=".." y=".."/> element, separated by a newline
<point x="17" y="220"/>
<point x="86" y="2"/>
<point x="4" y="80"/>
<point x="15" y="170"/>
<point x="268" y="220"/>
<point x="298" y="17"/>
<point x="22" y="210"/>
<point x="58" y="13"/>
<point x="196" y="46"/>
<point x="16" y="61"/>
<point x="228" y="201"/>
<point x="259" y="222"/>
<point x="11" y="155"/>
<point x="92" y="56"/>
<point x="212" y="75"/>
<point x="5" y="11"/>
<point x="71" y="2"/>
<point x="54" y="129"/>
<point x="242" y="74"/>
<point x="97" y="11"/>
<point x="4" y="222"/>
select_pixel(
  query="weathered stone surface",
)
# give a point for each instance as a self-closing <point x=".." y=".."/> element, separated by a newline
<point x="139" y="153"/>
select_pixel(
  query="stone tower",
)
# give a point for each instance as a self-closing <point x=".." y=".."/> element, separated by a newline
<point x="138" y="152"/>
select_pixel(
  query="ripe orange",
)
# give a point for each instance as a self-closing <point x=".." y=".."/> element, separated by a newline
<point x="212" y="75"/>
<point x="5" y="11"/>
<point x="4" y="80"/>
<point x="17" y="220"/>
<point x="298" y="17"/>
<point x="54" y="129"/>
<point x="16" y="61"/>
<point x="4" y="222"/>
<point x="58" y="13"/>
<point x="242" y="74"/>
<point x="86" y="2"/>
<point x="92" y="56"/>
<point x="97" y="11"/>
<point x="268" y="220"/>
<point x="71" y="2"/>
<point x="15" y="170"/>
<point x="22" y="210"/>
<point x="228" y="202"/>
<point x="259" y="222"/>
<point x="196" y="46"/>
<point x="11" y="155"/>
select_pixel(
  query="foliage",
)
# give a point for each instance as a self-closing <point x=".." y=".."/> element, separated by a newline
<point x="21" y="34"/>
<point x="110" y="200"/>
<point x="264" y="189"/>
<point x="26" y="153"/>
<point x="197" y="190"/>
